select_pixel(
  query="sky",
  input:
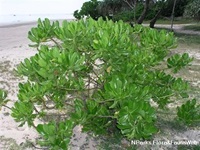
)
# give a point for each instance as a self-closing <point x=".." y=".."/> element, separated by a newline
<point x="16" y="7"/>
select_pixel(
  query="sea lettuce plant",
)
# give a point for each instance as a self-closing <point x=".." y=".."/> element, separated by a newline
<point x="102" y="75"/>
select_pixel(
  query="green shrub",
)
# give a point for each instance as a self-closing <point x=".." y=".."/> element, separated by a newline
<point x="97" y="74"/>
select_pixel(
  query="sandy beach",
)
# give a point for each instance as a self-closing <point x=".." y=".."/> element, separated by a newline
<point x="13" y="49"/>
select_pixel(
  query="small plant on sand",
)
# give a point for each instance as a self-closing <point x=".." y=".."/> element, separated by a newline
<point x="3" y="100"/>
<point x="102" y="75"/>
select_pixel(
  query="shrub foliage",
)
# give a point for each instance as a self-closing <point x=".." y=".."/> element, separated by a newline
<point x="100" y="75"/>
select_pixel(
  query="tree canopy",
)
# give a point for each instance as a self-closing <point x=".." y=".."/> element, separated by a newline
<point x="193" y="9"/>
<point x="138" y="10"/>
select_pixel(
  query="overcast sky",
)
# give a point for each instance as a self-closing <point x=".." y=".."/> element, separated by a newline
<point x="39" y="6"/>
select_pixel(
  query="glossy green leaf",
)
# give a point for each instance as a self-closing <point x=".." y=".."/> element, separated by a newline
<point x="189" y="112"/>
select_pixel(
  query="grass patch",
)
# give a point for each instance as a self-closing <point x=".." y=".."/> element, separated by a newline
<point x="176" y="21"/>
<point x="194" y="27"/>
<point x="188" y="39"/>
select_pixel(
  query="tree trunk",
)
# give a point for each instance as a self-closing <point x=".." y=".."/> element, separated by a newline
<point x="172" y="17"/>
<point x="153" y="21"/>
<point x="144" y="13"/>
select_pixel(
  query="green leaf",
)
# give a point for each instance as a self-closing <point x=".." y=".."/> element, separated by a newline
<point x="33" y="45"/>
<point x="32" y="37"/>
<point x="176" y="62"/>
<point x="3" y="100"/>
<point x="49" y="129"/>
<point x="3" y="94"/>
<point x="23" y="112"/>
<point x="189" y="113"/>
<point x="136" y="117"/>
<point x="184" y="95"/>
<point x="42" y="62"/>
<point x="43" y="73"/>
<point x="56" y="53"/>
<point x="40" y="129"/>
<point x="56" y="135"/>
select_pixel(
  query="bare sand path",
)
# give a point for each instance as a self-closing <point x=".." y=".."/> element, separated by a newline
<point x="178" y="28"/>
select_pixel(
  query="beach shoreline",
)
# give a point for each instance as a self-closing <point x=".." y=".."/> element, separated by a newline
<point x="12" y="19"/>
<point x="25" y="23"/>
<point x="11" y="25"/>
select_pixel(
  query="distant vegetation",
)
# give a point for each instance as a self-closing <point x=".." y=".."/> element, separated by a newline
<point x="195" y="27"/>
<point x="139" y="10"/>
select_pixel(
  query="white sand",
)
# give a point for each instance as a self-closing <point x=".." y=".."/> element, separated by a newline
<point x="13" y="49"/>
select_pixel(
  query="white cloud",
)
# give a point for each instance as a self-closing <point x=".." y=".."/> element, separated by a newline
<point x="39" y="6"/>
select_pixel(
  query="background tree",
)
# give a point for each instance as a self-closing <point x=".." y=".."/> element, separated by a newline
<point x="88" y="9"/>
<point x="172" y="16"/>
<point x="132" y="10"/>
<point x="132" y="4"/>
<point x="179" y="10"/>
<point x="193" y="9"/>
<point x="158" y="7"/>
<point x="108" y="8"/>
<point x="144" y="13"/>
